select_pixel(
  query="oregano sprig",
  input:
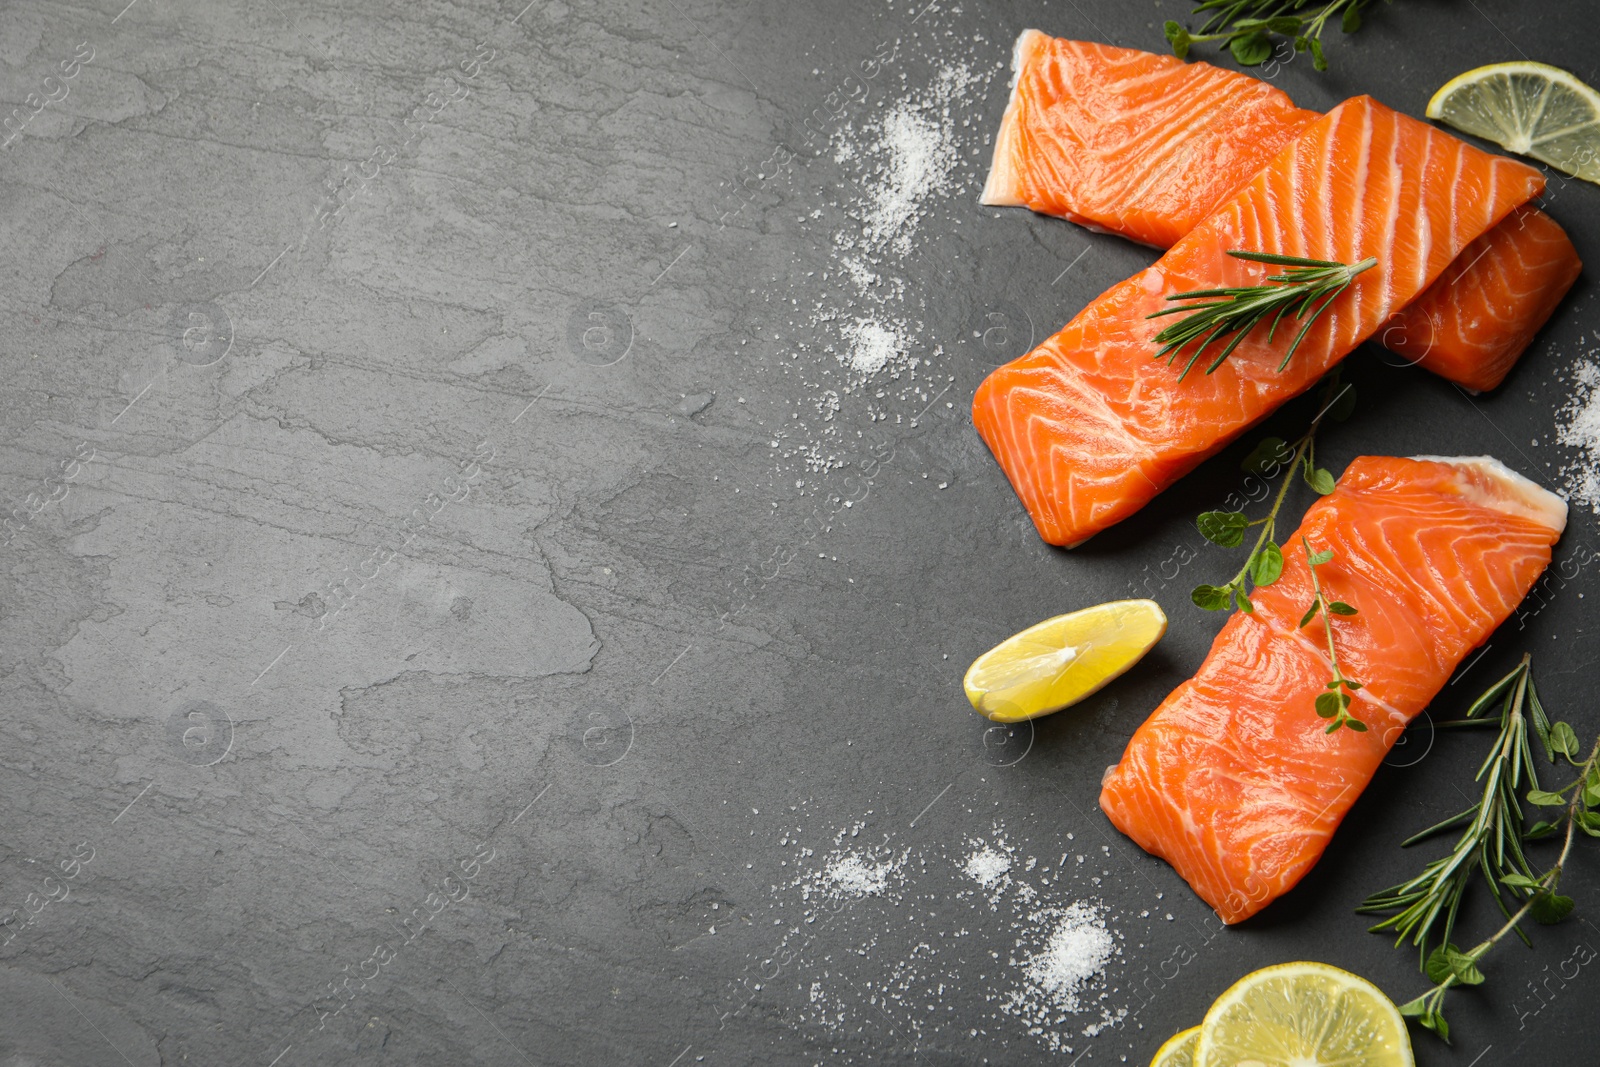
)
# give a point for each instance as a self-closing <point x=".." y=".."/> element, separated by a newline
<point x="1425" y="908"/>
<point x="1306" y="288"/>
<point x="1334" y="701"/>
<point x="1248" y="27"/>
<point x="1227" y="528"/>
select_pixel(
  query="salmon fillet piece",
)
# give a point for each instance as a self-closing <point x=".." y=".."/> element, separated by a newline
<point x="1146" y="146"/>
<point x="1130" y="142"/>
<point x="1233" y="780"/>
<point x="1088" y="426"/>
<point x="1473" y="324"/>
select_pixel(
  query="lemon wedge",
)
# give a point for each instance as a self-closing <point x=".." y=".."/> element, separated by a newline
<point x="1179" y="1049"/>
<point x="1062" y="660"/>
<point x="1303" y="1015"/>
<point x="1532" y="109"/>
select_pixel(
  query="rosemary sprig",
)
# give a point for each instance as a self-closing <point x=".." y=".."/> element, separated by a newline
<point x="1227" y="528"/>
<point x="1334" y="702"/>
<point x="1492" y="845"/>
<point x="1248" y="27"/>
<point x="1306" y="288"/>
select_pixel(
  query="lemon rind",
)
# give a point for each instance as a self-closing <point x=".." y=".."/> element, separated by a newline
<point x="1170" y="1046"/>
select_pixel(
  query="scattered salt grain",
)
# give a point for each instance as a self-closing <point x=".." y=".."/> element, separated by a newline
<point x="873" y="345"/>
<point x="987" y="866"/>
<point x="1579" y="428"/>
<point x="1059" y="977"/>
<point x="856" y="876"/>
<point x="1079" y="948"/>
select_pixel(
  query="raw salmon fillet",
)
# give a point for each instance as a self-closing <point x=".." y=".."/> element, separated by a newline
<point x="1146" y="146"/>
<point x="1478" y="318"/>
<point x="1130" y="142"/>
<point x="1088" y="426"/>
<point x="1233" y="780"/>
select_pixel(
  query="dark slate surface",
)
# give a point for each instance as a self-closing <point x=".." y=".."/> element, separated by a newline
<point x="623" y="680"/>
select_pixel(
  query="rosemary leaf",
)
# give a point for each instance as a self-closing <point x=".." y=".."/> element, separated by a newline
<point x="1304" y="290"/>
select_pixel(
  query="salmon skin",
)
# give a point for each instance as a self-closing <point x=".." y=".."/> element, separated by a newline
<point x="1473" y="324"/>
<point x="1088" y="426"/>
<point x="1146" y="146"/>
<point x="1233" y="780"/>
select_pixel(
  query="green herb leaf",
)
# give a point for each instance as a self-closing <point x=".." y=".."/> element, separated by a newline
<point x="1426" y="1016"/>
<point x="1328" y="705"/>
<point x="1179" y="39"/>
<point x="1339" y="607"/>
<point x="1271" y="454"/>
<point x="1251" y="49"/>
<point x="1320" y="480"/>
<point x="1541" y="799"/>
<point x="1266" y="565"/>
<point x="1320" y="63"/>
<point x="1311" y="613"/>
<point x="1447" y="961"/>
<point x="1564" y="741"/>
<point x="1243" y="601"/>
<point x="1225" y="528"/>
<point x="1238" y="23"/>
<point x="1211" y="597"/>
<point x="1589" y="822"/>
<point x="1357" y="725"/>
<point x="1548" y="909"/>
<point x="1540" y="829"/>
<point x="1521" y="881"/>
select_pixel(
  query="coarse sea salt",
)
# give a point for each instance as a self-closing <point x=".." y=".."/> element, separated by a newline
<point x="987" y="866"/>
<point x="905" y="154"/>
<point x="1060" y="977"/>
<point x="1077" y="952"/>
<point x="873" y="345"/>
<point x="1578" y="427"/>
<point x="854" y="875"/>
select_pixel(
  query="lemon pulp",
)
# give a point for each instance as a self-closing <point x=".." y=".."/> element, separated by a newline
<point x="1060" y="661"/>
<point x="1303" y="1015"/>
<point x="1532" y="109"/>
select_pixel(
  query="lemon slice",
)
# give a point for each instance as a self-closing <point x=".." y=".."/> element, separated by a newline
<point x="1303" y="1015"/>
<point x="1179" y="1049"/>
<point x="1062" y="660"/>
<point x="1532" y="109"/>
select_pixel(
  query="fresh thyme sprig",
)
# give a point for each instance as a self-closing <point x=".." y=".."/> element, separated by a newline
<point x="1492" y="845"/>
<point x="1227" y="528"/>
<point x="1306" y="288"/>
<point x="1334" y="702"/>
<point x="1248" y="27"/>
